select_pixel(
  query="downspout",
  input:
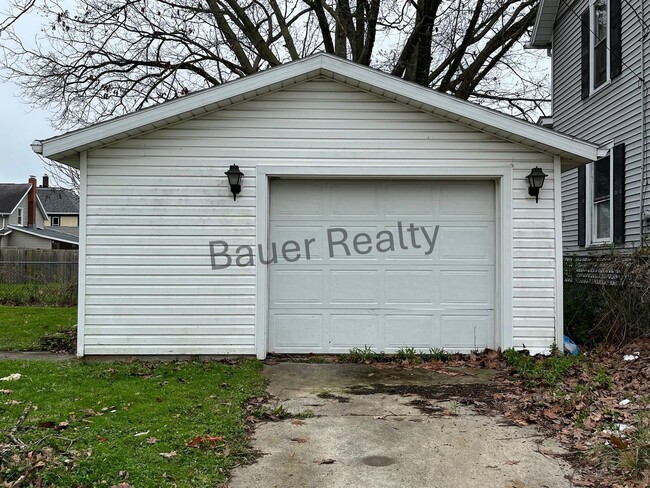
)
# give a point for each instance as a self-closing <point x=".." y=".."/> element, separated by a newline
<point x="644" y="146"/>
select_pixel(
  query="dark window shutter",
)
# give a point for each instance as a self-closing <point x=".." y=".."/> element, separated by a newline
<point x="618" y="203"/>
<point x="582" y="205"/>
<point x="586" y="38"/>
<point x="615" y="42"/>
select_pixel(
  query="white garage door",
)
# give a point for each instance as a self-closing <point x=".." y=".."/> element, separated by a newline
<point x="383" y="264"/>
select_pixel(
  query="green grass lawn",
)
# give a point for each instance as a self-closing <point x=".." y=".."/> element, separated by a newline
<point x="120" y="418"/>
<point x="22" y="327"/>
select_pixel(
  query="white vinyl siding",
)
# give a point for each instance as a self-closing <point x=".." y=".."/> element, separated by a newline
<point x="611" y="115"/>
<point x="155" y="202"/>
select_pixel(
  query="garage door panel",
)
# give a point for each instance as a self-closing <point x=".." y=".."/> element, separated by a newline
<point x="411" y="330"/>
<point x="354" y="287"/>
<point x="465" y="332"/>
<point x="290" y="200"/>
<point x="296" y="286"/>
<point x="350" y="330"/>
<point x="418" y="287"/>
<point x="297" y="332"/>
<point x="354" y="199"/>
<point x="466" y="288"/>
<point x="468" y="200"/>
<point x="421" y="201"/>
<point x="466" y="244"/>
<point x="411" y="243"/>
<point x="352" y="244"/>
<point x="283" y="233"/>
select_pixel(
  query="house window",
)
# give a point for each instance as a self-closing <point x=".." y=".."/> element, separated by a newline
<point x="56" y="221"/>
<point x="20" y="216"/>
<point x="600" y="42"/>
<point x="601" y="45"/>
<point x="601" y="200"/>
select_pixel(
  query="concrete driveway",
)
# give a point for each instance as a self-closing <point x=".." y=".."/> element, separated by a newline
<point x="393" y="428"/>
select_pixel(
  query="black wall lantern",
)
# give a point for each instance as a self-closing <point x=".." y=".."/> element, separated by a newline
<point x="535" y="182"/>
<point x="234" y="179"/>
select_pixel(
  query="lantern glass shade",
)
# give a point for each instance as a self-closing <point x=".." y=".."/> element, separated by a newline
<point x="234" y="179"/>
<point x="536" y="178"/>
<point x="535" y="182"/>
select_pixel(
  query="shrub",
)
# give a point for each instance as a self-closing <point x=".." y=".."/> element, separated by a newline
<point x="607" y="297"/>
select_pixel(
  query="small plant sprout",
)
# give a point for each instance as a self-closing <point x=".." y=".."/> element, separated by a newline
<point x="408" y="354"/>
<point x="358" y="355"/>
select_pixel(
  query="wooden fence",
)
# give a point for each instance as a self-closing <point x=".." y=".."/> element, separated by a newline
<point x="39" y="266"/>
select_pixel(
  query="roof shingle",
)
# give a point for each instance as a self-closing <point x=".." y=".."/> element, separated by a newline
<point x="58" y="200"/>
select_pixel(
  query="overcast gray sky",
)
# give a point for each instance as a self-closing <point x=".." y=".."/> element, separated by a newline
<point x="19" y="126"/>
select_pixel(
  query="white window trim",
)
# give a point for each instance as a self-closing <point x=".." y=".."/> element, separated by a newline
<point x="592" y="37"/>
<point x="590" y="227"/>
<point x="58" y="221"/>
<point x="19" y="216"/>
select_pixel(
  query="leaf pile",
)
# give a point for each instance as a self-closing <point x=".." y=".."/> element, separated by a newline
<point x="599" y="408"/>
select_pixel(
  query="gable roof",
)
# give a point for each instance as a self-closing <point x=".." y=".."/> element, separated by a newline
<point x="59" y="200"/>
<point x="11" y="194"/>
<point x="542" y="35"/>
<point x="66" y="148"/>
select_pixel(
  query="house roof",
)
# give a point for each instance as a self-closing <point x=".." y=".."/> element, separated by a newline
<point x="47" y="233"/>
<point x="59" y="201"/>
<point x="542" y="35"/>
<point x="66" y="148"/>
<point x="11" y="194"/>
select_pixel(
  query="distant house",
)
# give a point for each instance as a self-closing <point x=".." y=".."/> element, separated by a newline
<point x="61" y="205"/>
<point x="23" y="218"/>
<point x="599" y="53"/>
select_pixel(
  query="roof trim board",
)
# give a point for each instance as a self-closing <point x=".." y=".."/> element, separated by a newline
<point x="66" y="148"/>
<point x="542" y="35"/>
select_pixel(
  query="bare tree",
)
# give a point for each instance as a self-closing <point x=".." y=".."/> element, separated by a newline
<point x="104" y="58"/>
<point x="61" y="175"/>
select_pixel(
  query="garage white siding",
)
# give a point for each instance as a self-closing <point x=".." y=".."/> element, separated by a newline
<point x="154" y="202"/>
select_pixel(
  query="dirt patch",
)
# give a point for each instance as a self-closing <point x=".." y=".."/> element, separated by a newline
<point x="331" y="396"/>
<point x="482" y="396"/>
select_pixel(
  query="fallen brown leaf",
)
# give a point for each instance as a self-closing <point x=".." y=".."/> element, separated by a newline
<point x="325" y="461"/>
<point x="618" y="442"/>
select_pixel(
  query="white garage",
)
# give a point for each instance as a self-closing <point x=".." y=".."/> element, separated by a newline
<point x="427" y="281"/>
<point x="370" y="211"/>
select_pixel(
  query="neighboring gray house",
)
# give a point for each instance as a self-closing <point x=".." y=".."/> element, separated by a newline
<point x="61" y="205"/>
<point x="23" y="217"/>
<point x="599" y="55"/>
